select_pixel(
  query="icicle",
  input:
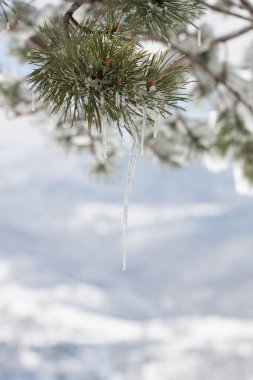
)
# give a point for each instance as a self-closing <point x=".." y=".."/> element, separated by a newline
<point x="33" y="103"/>
<point x="199" y="38"/>
<point x="144" y="123"/>
<point x="155" y="126"/>
<point x="130" y="178"/>
<point x="8" y="26"/>
<point x="104" y="135"/>
<point x="123" y="101"/>
<point x="117" y="99"/>
<point x="102" y="100"/>
<point x="86" y="99"/>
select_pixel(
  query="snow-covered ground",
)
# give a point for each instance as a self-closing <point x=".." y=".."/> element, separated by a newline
<point x="182" y="310"/>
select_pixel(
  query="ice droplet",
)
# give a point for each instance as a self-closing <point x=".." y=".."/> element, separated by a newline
<point x="152" y="88"/>
<point x="8" y="26"/>
<point x="33" y="103"/>
<point x="130" y="178"/>
<point x="104" y="135"/>
<point x="199" y="38"/>
<point x="144" y="123"/>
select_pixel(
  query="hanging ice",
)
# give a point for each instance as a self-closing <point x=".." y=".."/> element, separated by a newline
<point x="33" y="103"/>
<point x="199" y="38"/>
<point x="123" y="101"/>
<point x="130" y="178"/>
<point x="102" y="100"/>
<point x="117" y="99"/>
<point x="86" y="99"/>
<point x="155" y="125"/>
<point x="104" y="135"/>
<point x="8" y="26"/>
<point x="144" y="123"/>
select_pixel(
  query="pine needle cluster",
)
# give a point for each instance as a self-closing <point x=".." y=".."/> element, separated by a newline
<point x="159" y="17"/>
<point x="97" y="76"/>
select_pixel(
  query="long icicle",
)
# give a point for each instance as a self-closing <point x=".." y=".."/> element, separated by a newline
<point x="130" y="178"/>
<point x="144" y="123"/>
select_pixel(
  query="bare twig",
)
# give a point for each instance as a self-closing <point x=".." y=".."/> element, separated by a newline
<point x="218" y="79"/>
<point x="231" y="36"/>
<point x="74" y="7"/>
<point x="247" y="5"/>
<point x="228" y="12"/>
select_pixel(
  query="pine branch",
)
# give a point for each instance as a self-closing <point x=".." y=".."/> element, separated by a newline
<point x="99" y="75"/>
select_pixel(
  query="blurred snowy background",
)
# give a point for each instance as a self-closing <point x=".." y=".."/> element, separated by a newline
<point x="184" y="308"/>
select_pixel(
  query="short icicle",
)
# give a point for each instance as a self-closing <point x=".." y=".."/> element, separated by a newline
<point x="199" y="38"/>
<point x="130" y="178"/>
<point x="104" y="135"/>
<point x="33" y="103"/>
<point x="144" y="123"/>
<point x="102" y="100"/>
<point x="117" y="99"/>
<point x="123" y="101"/>
<point x="156" y="128"/>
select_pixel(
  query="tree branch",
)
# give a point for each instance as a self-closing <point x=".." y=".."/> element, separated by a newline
<point x="216" y="78"/>
<point x="247" y="5"/>
<point x="228" y="12"/>
<point x="74" y="7"/>
<point x="231" y="36"/>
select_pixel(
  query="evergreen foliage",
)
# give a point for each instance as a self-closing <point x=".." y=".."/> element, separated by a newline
<point x="94" y="75"/>
<point x="98" y="71"/>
